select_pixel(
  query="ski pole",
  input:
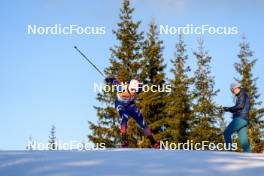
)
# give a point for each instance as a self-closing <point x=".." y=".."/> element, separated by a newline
<point x="89" y="61"/>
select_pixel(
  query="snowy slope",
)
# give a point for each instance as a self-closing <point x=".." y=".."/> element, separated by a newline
<point x="126" y="162"/>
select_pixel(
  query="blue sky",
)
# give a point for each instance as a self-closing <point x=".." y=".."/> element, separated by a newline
<point x="44" y="81"/>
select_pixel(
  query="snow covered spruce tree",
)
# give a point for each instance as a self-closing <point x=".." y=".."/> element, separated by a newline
<point x="245" y="69"/>
<point x="152" y="103"/>
<point x="204" y="127"/>
<point x="125" y="64"/>
<point x="180" y="99"/>
<point x="52" y="139"/>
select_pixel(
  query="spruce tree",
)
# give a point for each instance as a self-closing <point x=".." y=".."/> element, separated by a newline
<point x="204" y="127"/>
<point x="152" y="103"/>
<point x="52" y="139"/>
<point x="180" y="99"/>
<point x="125" y="65"/>
<point x="245" y="69"/>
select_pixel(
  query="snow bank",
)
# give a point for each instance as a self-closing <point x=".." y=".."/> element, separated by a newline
<point x="126" y="162"/>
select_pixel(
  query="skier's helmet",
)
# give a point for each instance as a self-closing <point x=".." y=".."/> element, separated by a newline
<point x="133" y="85"/>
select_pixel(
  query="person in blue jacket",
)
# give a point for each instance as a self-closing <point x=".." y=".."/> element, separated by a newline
<point x="240" y="117"/>
<point x="125" y="105"/>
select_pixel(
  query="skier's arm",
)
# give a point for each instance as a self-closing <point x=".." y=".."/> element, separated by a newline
<point x="239" y="105"/>
<point x="114" y="81"/>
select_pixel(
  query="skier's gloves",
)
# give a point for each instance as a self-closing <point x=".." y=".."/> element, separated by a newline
<point x="226" y="108"/>
<point x="108" y="80"/>
<point x="112" y="80"/>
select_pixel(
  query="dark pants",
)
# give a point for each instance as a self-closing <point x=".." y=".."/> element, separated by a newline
<point x="131" y="111"/>
<point x="238" y="125"/>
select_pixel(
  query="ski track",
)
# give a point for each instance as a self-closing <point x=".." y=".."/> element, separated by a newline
<point x="129" y="162"/>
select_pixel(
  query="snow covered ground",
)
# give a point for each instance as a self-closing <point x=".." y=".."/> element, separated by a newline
<point x="126" y="162"/>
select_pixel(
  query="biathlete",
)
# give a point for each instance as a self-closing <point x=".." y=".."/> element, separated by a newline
<point x="125" y="105"/>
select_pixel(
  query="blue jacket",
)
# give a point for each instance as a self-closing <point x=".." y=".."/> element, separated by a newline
<point x="242" y="106"/>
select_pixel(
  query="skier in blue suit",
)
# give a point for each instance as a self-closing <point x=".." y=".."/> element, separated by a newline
<point x="125" y="105"/>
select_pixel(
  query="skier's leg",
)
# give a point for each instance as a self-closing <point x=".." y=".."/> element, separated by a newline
<point x="124" y="120"/>
<point x="137" y="116"/>
<point x="123" y="127"/>
<point x="235" y="125"/>
<point x="243" y="138"/>
<point x="227" y="134"/>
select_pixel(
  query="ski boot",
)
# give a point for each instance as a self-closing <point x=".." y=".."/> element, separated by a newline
<point x="156" y="146"/>
<point x="153" y="142"/>
<point x="124" y="143"/>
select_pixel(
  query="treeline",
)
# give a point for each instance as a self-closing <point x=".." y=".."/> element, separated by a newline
<point x="188" y="112"/>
